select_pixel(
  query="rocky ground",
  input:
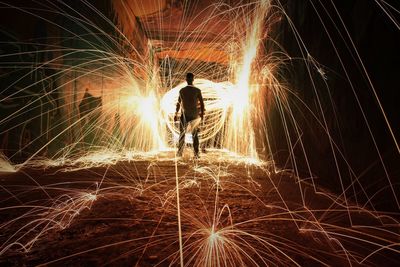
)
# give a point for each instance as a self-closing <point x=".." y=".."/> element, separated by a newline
<point x="233" y="212"/>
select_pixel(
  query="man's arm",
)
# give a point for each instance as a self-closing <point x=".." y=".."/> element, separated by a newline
<point x="200" y="96"/>
<point x="178" y="106"/>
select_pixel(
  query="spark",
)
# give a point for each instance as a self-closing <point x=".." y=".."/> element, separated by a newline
<point x="5" y="164"/>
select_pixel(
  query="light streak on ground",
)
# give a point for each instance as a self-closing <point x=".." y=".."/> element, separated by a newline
<point x="5" y="164"/>
<point x="220" y="226"/>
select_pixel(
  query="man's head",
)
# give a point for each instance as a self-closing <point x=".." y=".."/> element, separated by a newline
<point x="189" y="77"/>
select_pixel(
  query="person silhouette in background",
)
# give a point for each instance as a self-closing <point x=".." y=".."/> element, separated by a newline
<point x="89" y="111"/>
<point x="188" y="98"/>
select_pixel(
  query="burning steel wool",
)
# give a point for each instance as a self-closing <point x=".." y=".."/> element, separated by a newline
<point x="217" y="100"/>
<point x="299" y="149"/>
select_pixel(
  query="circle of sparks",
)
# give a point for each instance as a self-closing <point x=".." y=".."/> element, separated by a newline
<point x="216" y="101"/>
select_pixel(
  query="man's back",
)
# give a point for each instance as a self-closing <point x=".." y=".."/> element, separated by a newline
<point x="189" y="95"/>
<point x="188" y="98"/>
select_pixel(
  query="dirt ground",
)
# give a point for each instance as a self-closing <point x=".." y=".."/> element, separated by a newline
<point x="233" y="212"/>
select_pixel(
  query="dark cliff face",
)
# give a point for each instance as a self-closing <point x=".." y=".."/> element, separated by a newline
<point x="347" y="61"/>
<point x="39" y="42"/>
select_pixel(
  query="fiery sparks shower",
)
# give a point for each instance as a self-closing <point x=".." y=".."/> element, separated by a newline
<point x="216" y="98"/>
<point x="88" y="138"/>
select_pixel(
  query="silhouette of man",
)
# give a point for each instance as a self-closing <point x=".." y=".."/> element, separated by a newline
<point x="188" y="98"/>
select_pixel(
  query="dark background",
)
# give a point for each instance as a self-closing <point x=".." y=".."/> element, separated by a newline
<point x="344" y="93"/>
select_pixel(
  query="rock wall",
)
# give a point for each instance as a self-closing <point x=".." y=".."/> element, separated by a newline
<point x="342" y="64"/>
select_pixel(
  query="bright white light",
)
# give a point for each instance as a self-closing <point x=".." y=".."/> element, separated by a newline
<point x="216" y="103"/>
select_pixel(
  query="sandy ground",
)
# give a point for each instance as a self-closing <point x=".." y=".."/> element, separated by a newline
<point x="234" y="212"/>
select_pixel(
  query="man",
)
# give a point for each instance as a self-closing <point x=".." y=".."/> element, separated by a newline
<point x="188" y="98"/>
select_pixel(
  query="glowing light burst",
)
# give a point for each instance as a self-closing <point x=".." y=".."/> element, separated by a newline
<point x="240" y="130"/>
<point x="217" y="101"/>
<point x="146" y="112"/>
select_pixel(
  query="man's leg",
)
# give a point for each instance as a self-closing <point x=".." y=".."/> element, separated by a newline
<point x="181" y="141"/>
<point x="195" y="135"/>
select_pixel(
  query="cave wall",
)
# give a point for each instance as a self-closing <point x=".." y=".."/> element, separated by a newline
<point x="339" y="135"/>
<point x="48" y="61"/>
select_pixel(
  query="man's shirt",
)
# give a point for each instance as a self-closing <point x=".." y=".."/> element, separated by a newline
<point x="188" y="97"/>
